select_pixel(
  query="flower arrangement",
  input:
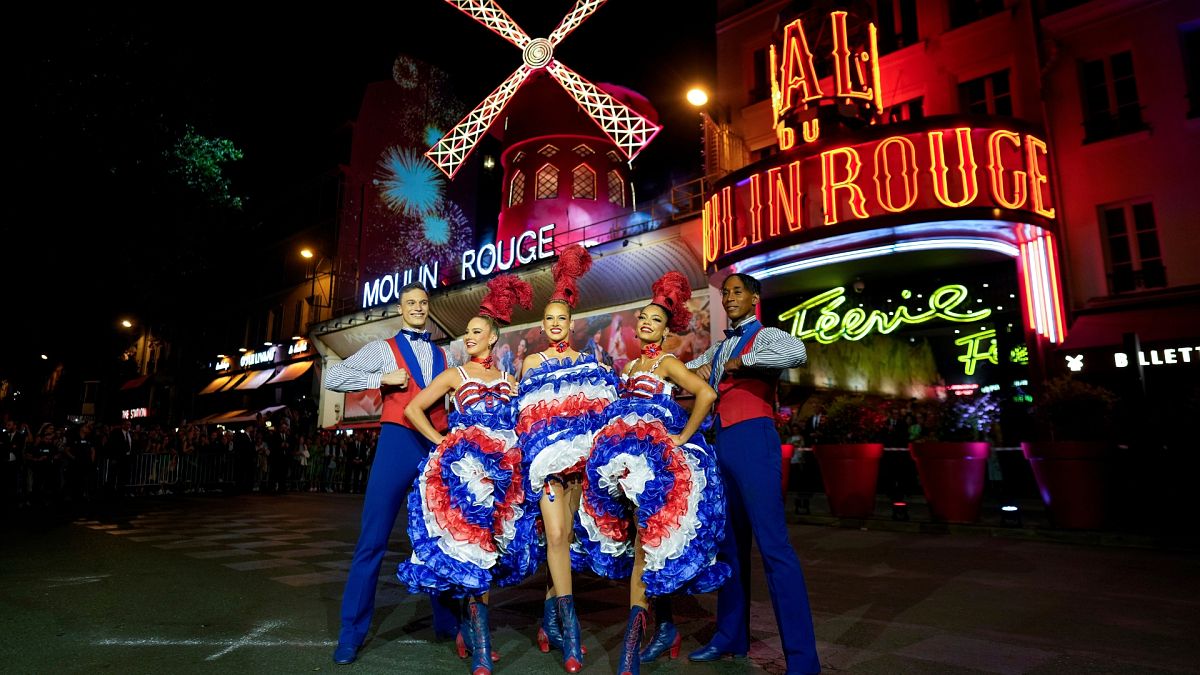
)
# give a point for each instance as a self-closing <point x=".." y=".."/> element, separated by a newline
<point x="1068" y="409"/>
<point x="962" y="418"/>
<point x="852" y="419"/>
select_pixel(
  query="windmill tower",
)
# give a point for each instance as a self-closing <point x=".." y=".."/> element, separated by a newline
<point x="567" y="142"/>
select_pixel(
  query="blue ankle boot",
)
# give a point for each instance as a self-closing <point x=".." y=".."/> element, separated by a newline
<point x="550" y="632"/>
<point x="481" y="638"/>
<point x="572" y="643"/>
<point x="635" y="629"/>
<point x="666" y="637"/>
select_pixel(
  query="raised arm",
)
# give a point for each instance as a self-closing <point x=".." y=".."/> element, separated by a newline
<point x="365" y="369"/>
<point x="774" y="348"/>
<point x="443" y="384"/>
<point x="678" y="373"/>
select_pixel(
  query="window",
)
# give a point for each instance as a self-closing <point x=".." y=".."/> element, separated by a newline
<point x="547" y="182"/>
<point x="516" y="189"/>
<point x="760" y="79"/>
<point x="963" y="12"/>
<point x="616" y="189"/>
<point x="548" y="151"/>
<point x="1110" y="98"/>
<point x="1189" y="39"/>
<point x="912" y="109"/>
<point x="613" y="156"/>
<point x="583" y="182"/>
<point x="519" y="157"/>
<point x="897" y="24"/>
<point x="987" y="95"/>
<point x="1131" y="247"/>
<point x="583" y="150"/>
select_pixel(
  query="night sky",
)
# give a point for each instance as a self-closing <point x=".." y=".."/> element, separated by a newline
<point x="100" y="96"/>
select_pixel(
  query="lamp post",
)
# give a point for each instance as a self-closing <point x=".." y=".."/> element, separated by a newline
<point x="313" y="300"/>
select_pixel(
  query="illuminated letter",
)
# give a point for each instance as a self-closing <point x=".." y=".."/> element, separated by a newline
<point x="370" y="293"/>
<point x="1036" y="148"/>
<point x="829" y="185"/>
<point x="512" y="250"/>
<point x="945" y="299"/>
<point x="996" y="170"/>
<point x="468" y="264"/>
<point x="491" y="266"/>
<point x="727" y="223"/>
<point x="908" y="173"/>
<point x="387" y="286"/>
<point x="524" y="255"/>
<point x="429" y="277"/>
<point x="1121" y="360"/>
<point x="756" y="209"/>
<point x="845" y="88"/>
<point x="974" y="355"/>
<point x="966" y="167"/>
<point x="798" y="74"/>
<point x="545" y="241"/>
<point x="832" y="298"/>
<point x="708" y="227"/>
<point x="784" y="200"/>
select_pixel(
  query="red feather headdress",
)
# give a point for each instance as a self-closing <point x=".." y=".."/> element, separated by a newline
<point x="503" y="294"/>
<point x="671" y="292"/>
<point x="573" y="262"/>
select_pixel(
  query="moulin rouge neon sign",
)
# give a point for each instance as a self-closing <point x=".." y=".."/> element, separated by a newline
<point x="817" y="318"/>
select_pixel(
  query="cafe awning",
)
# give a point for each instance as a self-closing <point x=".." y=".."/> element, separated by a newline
<point x="256" y="379"/>
<point x="1151" y="324"/>
<point x="290" y="372"/>
<point x="216" y="384"/>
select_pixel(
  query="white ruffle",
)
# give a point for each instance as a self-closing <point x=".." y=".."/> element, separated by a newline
<point x="470" y="470"/>
<point x="570" y="449"/>
<point x="674" y="544"/>
<point x="608" y="545"/>
<point x="625" y="475"/>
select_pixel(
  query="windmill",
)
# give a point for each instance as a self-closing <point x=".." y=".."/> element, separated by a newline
<point x="629" y="131"/>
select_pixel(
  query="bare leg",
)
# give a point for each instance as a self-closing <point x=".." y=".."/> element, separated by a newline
<point x="637" y="587"/>
<point x="558" y="523"/>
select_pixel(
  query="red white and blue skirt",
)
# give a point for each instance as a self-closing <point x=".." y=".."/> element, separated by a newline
<point x="467" y="501"/>
<point x="561" y="403"/>
<point x="637" y="483"/>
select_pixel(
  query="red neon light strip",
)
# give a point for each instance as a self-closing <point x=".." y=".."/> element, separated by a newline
<point x="1059" y="310"/>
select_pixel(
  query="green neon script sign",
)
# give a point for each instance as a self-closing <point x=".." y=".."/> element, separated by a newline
<point x="817" y="318"/>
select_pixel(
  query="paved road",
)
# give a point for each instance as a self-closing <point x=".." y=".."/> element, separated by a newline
<point x="253" y="584"/>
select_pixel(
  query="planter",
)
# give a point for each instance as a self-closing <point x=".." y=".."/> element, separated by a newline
<point x="1071" y="476"/>
<point x="788" y="451"/>
<point x="850" y="472"/>
<point x="952" y="476"/>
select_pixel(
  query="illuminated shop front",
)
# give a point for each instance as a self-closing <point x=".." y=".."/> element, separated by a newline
<point x="914" y="258"/>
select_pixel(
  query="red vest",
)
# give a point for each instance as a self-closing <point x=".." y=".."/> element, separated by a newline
<point x="395" y="399"/>
<point x="747" y="394"/>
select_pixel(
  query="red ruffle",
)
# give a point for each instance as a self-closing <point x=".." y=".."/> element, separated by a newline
<point x="572" y="406"/>
<point x="437" y="493"/>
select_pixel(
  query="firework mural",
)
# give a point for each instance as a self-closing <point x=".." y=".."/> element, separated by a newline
<point x="400" y="211"/>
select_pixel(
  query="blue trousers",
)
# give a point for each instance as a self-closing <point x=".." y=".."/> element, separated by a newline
<point x="749" y="456"/>
<point x="397" y="455"/>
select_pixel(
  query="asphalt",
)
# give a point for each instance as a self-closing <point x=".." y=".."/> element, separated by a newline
<point x="252" y="584"/>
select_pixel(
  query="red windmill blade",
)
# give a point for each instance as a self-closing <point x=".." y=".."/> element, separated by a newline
<point x="627" y="129"/>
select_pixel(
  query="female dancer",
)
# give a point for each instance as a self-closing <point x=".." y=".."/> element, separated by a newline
<point x="466" y="502"/>
<point x="653" y="502"/>
<point x="562" y="398"/>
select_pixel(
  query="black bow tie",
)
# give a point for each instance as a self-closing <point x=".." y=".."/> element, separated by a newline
<point x="735" y="332"/>
<point x="414" y="335"/>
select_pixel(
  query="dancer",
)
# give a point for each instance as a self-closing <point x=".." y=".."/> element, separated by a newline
<point x="468" y="495"/>
<point x="400" y="367"/>
<point x="745" y="368"/>
<point x="653" y="502"/>
<point x="562" y="398"/>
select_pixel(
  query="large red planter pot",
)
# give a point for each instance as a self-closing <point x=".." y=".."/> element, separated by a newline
<point x="1071" y="476"/>
<point x="850" y="472"/>
<point x="952" y="476"/>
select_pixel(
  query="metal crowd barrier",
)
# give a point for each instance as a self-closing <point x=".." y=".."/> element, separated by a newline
<point x="195" y="471"/>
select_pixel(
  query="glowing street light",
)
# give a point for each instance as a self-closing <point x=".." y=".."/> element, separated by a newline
<point x="127" y="323"/>
<point x="697" y="96"/>
<point x="306" y="253"/>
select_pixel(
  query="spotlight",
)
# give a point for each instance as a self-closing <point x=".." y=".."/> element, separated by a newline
<point x="1010" y="514"/>
<point x="859" y="285"/>
<point x="900" y="510"/>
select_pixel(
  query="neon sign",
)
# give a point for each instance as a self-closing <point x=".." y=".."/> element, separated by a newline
<point x="796" y="92"/>
<point x="976" y="351"/>
<point x="826" y="326"/>
<point x="134" y="413"/>
<point x="255" y="358"/>
<point x="500" y="256"/>
<point x="298" y="347"/>
<point x="1165" y="357"/>
<point x="938" y="169"/>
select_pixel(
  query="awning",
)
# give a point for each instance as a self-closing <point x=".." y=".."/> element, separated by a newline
<point x="233" y="382"/>
<point x="1152" y="325"/>
<point x="135" y="383"/>
<point x="256" y="379"/>
<point x="226" y="416"/>
<point x="216" y="384"/>
<point x="270" y="409"/>
<point x="290" y="372"/>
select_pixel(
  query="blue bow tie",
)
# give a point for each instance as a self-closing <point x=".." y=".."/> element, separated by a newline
<point x="414" y="335"/>
<point x="735" y="332"/>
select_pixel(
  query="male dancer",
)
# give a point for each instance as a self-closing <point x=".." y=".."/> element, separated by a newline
<point x="400" y="367"/>
<point x="744" y="368"/>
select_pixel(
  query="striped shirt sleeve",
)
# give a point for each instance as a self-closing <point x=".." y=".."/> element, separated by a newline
<point x="774" y="348"/>
<point x="703" y="359"/>
<point x="362" y="370"/>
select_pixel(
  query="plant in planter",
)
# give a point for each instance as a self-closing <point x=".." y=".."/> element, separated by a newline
<point x="1070" y="459"/>
<point x="951" y="456"/>
<point x="848" y="453"/>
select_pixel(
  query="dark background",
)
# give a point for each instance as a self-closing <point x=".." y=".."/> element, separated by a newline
<point x="96" y="228"/>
